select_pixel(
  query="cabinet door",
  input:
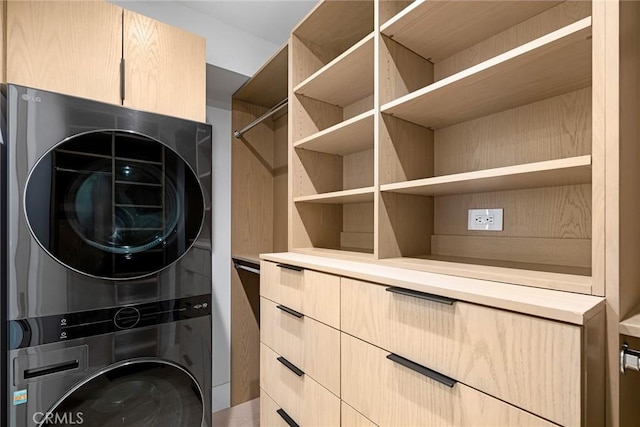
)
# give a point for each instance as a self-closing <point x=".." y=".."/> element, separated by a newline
<point x="67" y="47"/>
<point x="165" y="68"/>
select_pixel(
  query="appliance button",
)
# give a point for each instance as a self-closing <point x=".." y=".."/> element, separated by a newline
<point x="126" y="318"/>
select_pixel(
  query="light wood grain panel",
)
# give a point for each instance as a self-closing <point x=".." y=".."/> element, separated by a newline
<point x="352" y="418"/>
<point x="358" y="195"/>
<point x="357" y="241"/>
<point x="527" y="361"/>
<point x="316" y="225"/>
<point x="406" y="151"/>
<point x="311" y="293"/>
<point x="549" y="173"/>
<point x="556" y="63"/>
<point x="268" y="412"/>
<point x="316" y="173"/>
<point x="594" y="376"/>
<point x="268" y="86"/>
<point x="357" y="170"/>
<point x="402" y="71"/>
<point x="406" y="225"/>
<point x="162" y="61"/>
<point x="311" y="116"/>
<point x="3" y="44"/>
<point x="438" y="30"/>
<point x="390" y="8"/>
<point x="571" y="252"/>
<point x="280" y="181"/>
<point x="553" y="212"/>
<point x="358" y="217"/>
<point x="398" y="396"/>
<point x="304" y="400"/>
<point x="346" y="79"/>
<point x="554" y="128"/>
<point x="567" y="307"/>
<point x="66" y="47"/>
<point x="310" y="345"/>
<point x="550" y="20"/>
<point x="350" y="136"/>
<point x="245" y="336"/>
<point x="358" y="107"/>
<point x="308" y="57"/>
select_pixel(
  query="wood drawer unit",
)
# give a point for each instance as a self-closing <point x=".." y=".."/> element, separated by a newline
<point x="391" y="394"/>
<point x="311" y="293"/>
<point x="270" y="412"/>
<point x="353" y="418"/>
<point x="533" y="363"/>
<point x="303" y="399"/>
<point x="301" y="340"/>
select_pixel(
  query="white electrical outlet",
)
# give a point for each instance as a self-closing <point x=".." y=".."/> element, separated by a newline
<point x="485" y="219"/>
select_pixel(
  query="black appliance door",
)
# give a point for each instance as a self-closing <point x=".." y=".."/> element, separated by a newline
<point x="146" y="393"/>
<point x="114" y="204"/>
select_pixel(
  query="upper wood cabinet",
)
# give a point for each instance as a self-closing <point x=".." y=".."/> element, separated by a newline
<point x="76" y="48"/>
<point x="165" y="68"/>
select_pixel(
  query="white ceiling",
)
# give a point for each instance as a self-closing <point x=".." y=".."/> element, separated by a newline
<point x="241" y="34"/>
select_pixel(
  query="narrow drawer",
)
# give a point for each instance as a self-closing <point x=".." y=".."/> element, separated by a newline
<point x="530" y="362"/>
<point x="310" y="345"/>
<point x="271" y="414"/>
<point x="313" y="294"/>
<point x="353" y="418"/>
<point x="303" y="399"/>
<point x="390" y="394"/>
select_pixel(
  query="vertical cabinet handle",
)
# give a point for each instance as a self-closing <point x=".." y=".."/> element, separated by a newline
<point x="287" y="419"/>
<point x="290" y="267"/>
<point x="437" y="376"/>
<point x="290" y="311"/>
<point x="421" y="295"/>
<point x="293" y="368"/>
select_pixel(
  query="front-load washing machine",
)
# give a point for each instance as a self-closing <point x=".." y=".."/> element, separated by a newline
<point x="102" y="208"/>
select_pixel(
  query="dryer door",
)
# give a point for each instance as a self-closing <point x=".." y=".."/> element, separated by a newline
<point x="140" y="393"/>
<point x="114" y="204"/>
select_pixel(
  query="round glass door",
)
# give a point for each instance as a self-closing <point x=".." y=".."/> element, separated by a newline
<point x="134" y="394"/>
<point x="114" y="205"/>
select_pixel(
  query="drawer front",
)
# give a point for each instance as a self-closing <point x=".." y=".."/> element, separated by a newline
<point x="313" y="294"/>
<point x="269" y="412"/>
<point x="353" y="418"/>
<point x="303" y="399"/>
<point x="390" y="394"/>
<point x="529" y="362"/>
<point x="310" y="345"/>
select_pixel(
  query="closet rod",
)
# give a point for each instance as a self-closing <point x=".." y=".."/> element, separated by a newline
<point x="279" y="106"/>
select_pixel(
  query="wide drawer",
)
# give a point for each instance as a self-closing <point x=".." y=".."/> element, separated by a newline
<point x="390" y="394"/>
<point x="310" y="345"/>
<point x="271" y="414"/>
<point x="313" y="294"/>
<point x="353" y="418"/>
<point x="530" y="362"/>
<point x="303" y="399"/>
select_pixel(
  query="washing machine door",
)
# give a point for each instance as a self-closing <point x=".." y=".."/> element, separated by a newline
<point x="114" y="204"/>
<point x="140" y="393"/>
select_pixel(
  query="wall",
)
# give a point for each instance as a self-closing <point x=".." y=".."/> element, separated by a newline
<point x="220" y="120"/>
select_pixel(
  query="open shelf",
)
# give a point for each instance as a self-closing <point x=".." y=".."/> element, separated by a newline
<point x="631" y="325"/>
<point x="348" y="137"/>
<point x="574" y="170"/>
<point x="359" y="195"/>
<point x="550" y="65"/>
<point x="437" y="30"/>
<point x="346" y="79"/>
<point x="267" y="88"/>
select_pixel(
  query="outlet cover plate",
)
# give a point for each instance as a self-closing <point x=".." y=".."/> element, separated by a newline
<point x="485" y="219"/>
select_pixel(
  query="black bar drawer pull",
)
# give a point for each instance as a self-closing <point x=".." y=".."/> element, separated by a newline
<point x="442" y="379"/>
<point x="293" y="368"/>
<point x="421" y="295"/>
<point x="290" y="267"/>
<point x="290" y="311"/>
<point x="50" y="369"/>
<point x="287" y="419"/>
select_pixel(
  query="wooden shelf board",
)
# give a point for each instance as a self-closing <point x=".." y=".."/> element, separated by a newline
<point x="568" y="307"/>
<point x="248" y="258"/>
<point x="358" y="195"/>
<point x="631" y="325"/>
<point x="346" y="79"/>
<point x="350" y="136"/>
<point x="556" y="63"/>
<point x="268" y="86"/>
<point x="572" y="170"/>
<point x="437" y="30"/>
<point x="338" y="253"/>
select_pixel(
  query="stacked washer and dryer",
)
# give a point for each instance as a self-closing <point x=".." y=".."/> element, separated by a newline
<point x="106" y="264"/>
